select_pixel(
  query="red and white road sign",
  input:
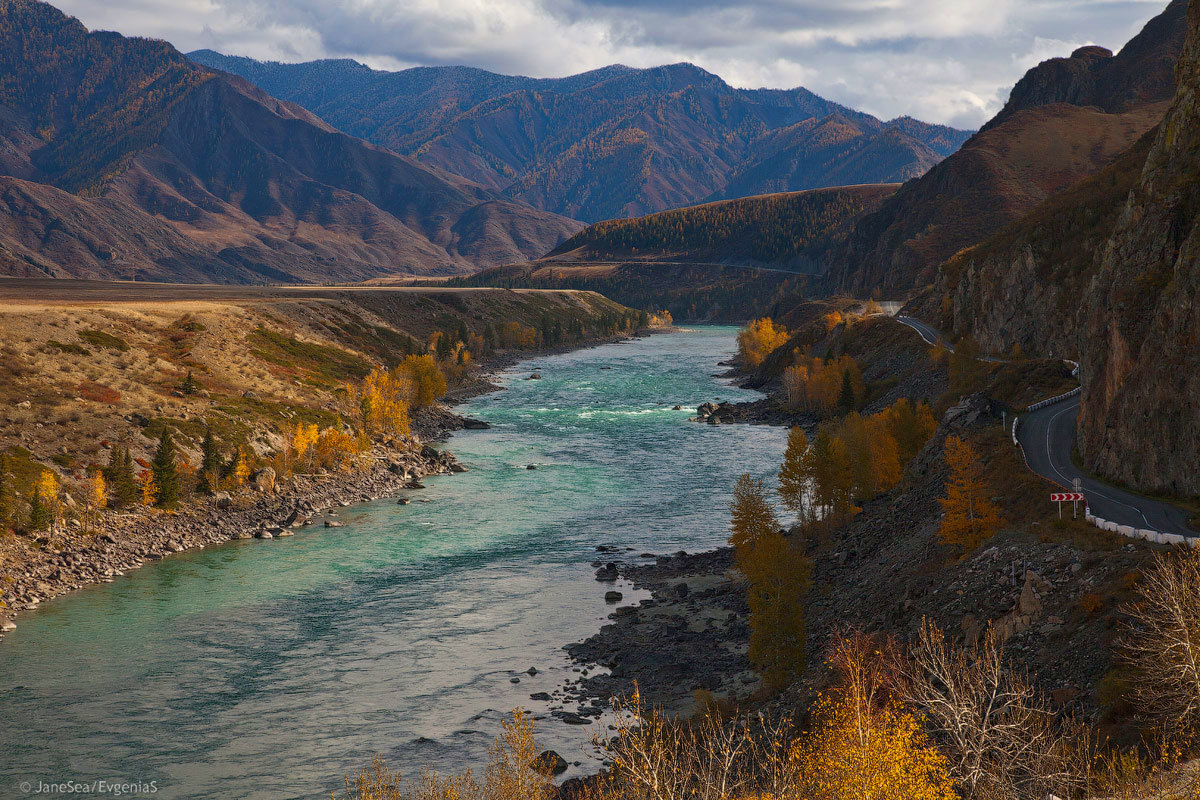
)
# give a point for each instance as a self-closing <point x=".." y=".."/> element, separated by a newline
<point x="1066" y="497"/>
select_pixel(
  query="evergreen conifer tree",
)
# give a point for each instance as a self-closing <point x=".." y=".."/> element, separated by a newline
<point x="846" y="401"/>
<point x="165" y="472"/>
<point x="210" y="464"/>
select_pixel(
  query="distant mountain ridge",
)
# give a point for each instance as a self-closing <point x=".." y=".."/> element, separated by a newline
<point x="120" y="158"/>
<point x="611" y="143"/>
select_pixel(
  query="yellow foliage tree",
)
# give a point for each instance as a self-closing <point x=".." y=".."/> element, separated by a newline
<point x="304" y="437"/>
<point x="428" y="380"/>
<point x="814" y="385"/>
<point x="98" y="495"/>
<point x="869" y="751"/>
<point x="970" y="515"/>
<point x="751" y="518"/>
<point x="758" y="339"/>
<point x="795" y="477"/>
<point x="149" y="488"/>
<point x="911" y="426"/>
<point x="779" y="577"/>
<point x="383" y="400"/>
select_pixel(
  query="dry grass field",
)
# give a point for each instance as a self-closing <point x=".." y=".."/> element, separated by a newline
<point x="84" y="365"/>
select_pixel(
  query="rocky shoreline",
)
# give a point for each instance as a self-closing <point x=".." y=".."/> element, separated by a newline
<point x="267" y="510"/>
<point x="685" y="644"/>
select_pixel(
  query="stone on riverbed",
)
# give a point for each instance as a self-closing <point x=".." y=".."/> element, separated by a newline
<point x="333" y="523"/>
<point x="607" y="573"/>
<point x="613" y="597"/>
<point x="7" y="624"/>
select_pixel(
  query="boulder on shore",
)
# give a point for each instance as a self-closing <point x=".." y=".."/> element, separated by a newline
<point x="263" y="480"/>
<point x="549" y="763"/>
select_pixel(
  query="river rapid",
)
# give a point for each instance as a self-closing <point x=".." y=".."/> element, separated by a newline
<point x="270" y="669"/>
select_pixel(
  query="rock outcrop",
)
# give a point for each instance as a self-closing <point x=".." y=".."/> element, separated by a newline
<point x="1140" y="420"/>
<point x="1143" y="72"/>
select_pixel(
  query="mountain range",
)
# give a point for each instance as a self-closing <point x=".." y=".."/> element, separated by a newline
<point x="120" y="158"/>
<point x="611" y="143"/>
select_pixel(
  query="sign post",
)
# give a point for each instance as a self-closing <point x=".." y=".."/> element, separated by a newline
<point x="1067" y="497"/>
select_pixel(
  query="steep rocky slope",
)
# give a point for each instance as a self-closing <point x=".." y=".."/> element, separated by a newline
<point x="614" y="142"/>
<point x="1024" y="286"/>
<point x="120" y="158"/>
<point x="1139" y="422"/>
<point x="1068" y="119"/>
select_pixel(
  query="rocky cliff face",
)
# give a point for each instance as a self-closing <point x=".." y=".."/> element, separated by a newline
<point x="1023" y="286"/>
<point x="1067" y="119"/>
<point x="1143" y="72"/>
<point x="1140" y="418"/>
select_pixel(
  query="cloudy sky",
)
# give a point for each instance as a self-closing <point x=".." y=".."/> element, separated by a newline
<point x="949" y="61"/>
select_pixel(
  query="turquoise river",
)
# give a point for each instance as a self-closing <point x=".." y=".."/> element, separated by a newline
<point x="270" y="669"/>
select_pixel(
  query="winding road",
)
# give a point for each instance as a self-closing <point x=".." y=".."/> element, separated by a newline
<point x="1048" y="439"/>
<point x="1047" y="436"/>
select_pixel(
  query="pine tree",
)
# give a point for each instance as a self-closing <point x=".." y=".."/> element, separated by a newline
<point x="126" y="488"/>
<point x="970" y="515"/>
<point x="165" y="472"/>
<point x="39" y="512"/>
<point x="189" y="385"/>
<point x="794" y="474"/>
<point x="210" y="464"/>
<point x="751" y="518"/>
<point x="846" y="401"/>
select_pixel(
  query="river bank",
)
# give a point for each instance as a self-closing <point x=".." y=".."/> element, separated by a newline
<point x="123" y="542"/>
<point x="46" y="567"/>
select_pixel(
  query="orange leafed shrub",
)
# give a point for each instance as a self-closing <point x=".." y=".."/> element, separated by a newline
<point x="99" y="393"/>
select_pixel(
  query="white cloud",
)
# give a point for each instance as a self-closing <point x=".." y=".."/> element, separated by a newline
<point x="950" y="61"/>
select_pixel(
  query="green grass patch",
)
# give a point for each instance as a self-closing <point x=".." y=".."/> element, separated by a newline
<point x="320" y="363"/>
<point x="24" y="468"/>
<point x="104" y="340"/>
<point x="74" y="349"/>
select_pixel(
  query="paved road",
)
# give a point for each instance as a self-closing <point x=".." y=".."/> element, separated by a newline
<point x="930" y="335"/>
<point x="1048" y="438"/>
